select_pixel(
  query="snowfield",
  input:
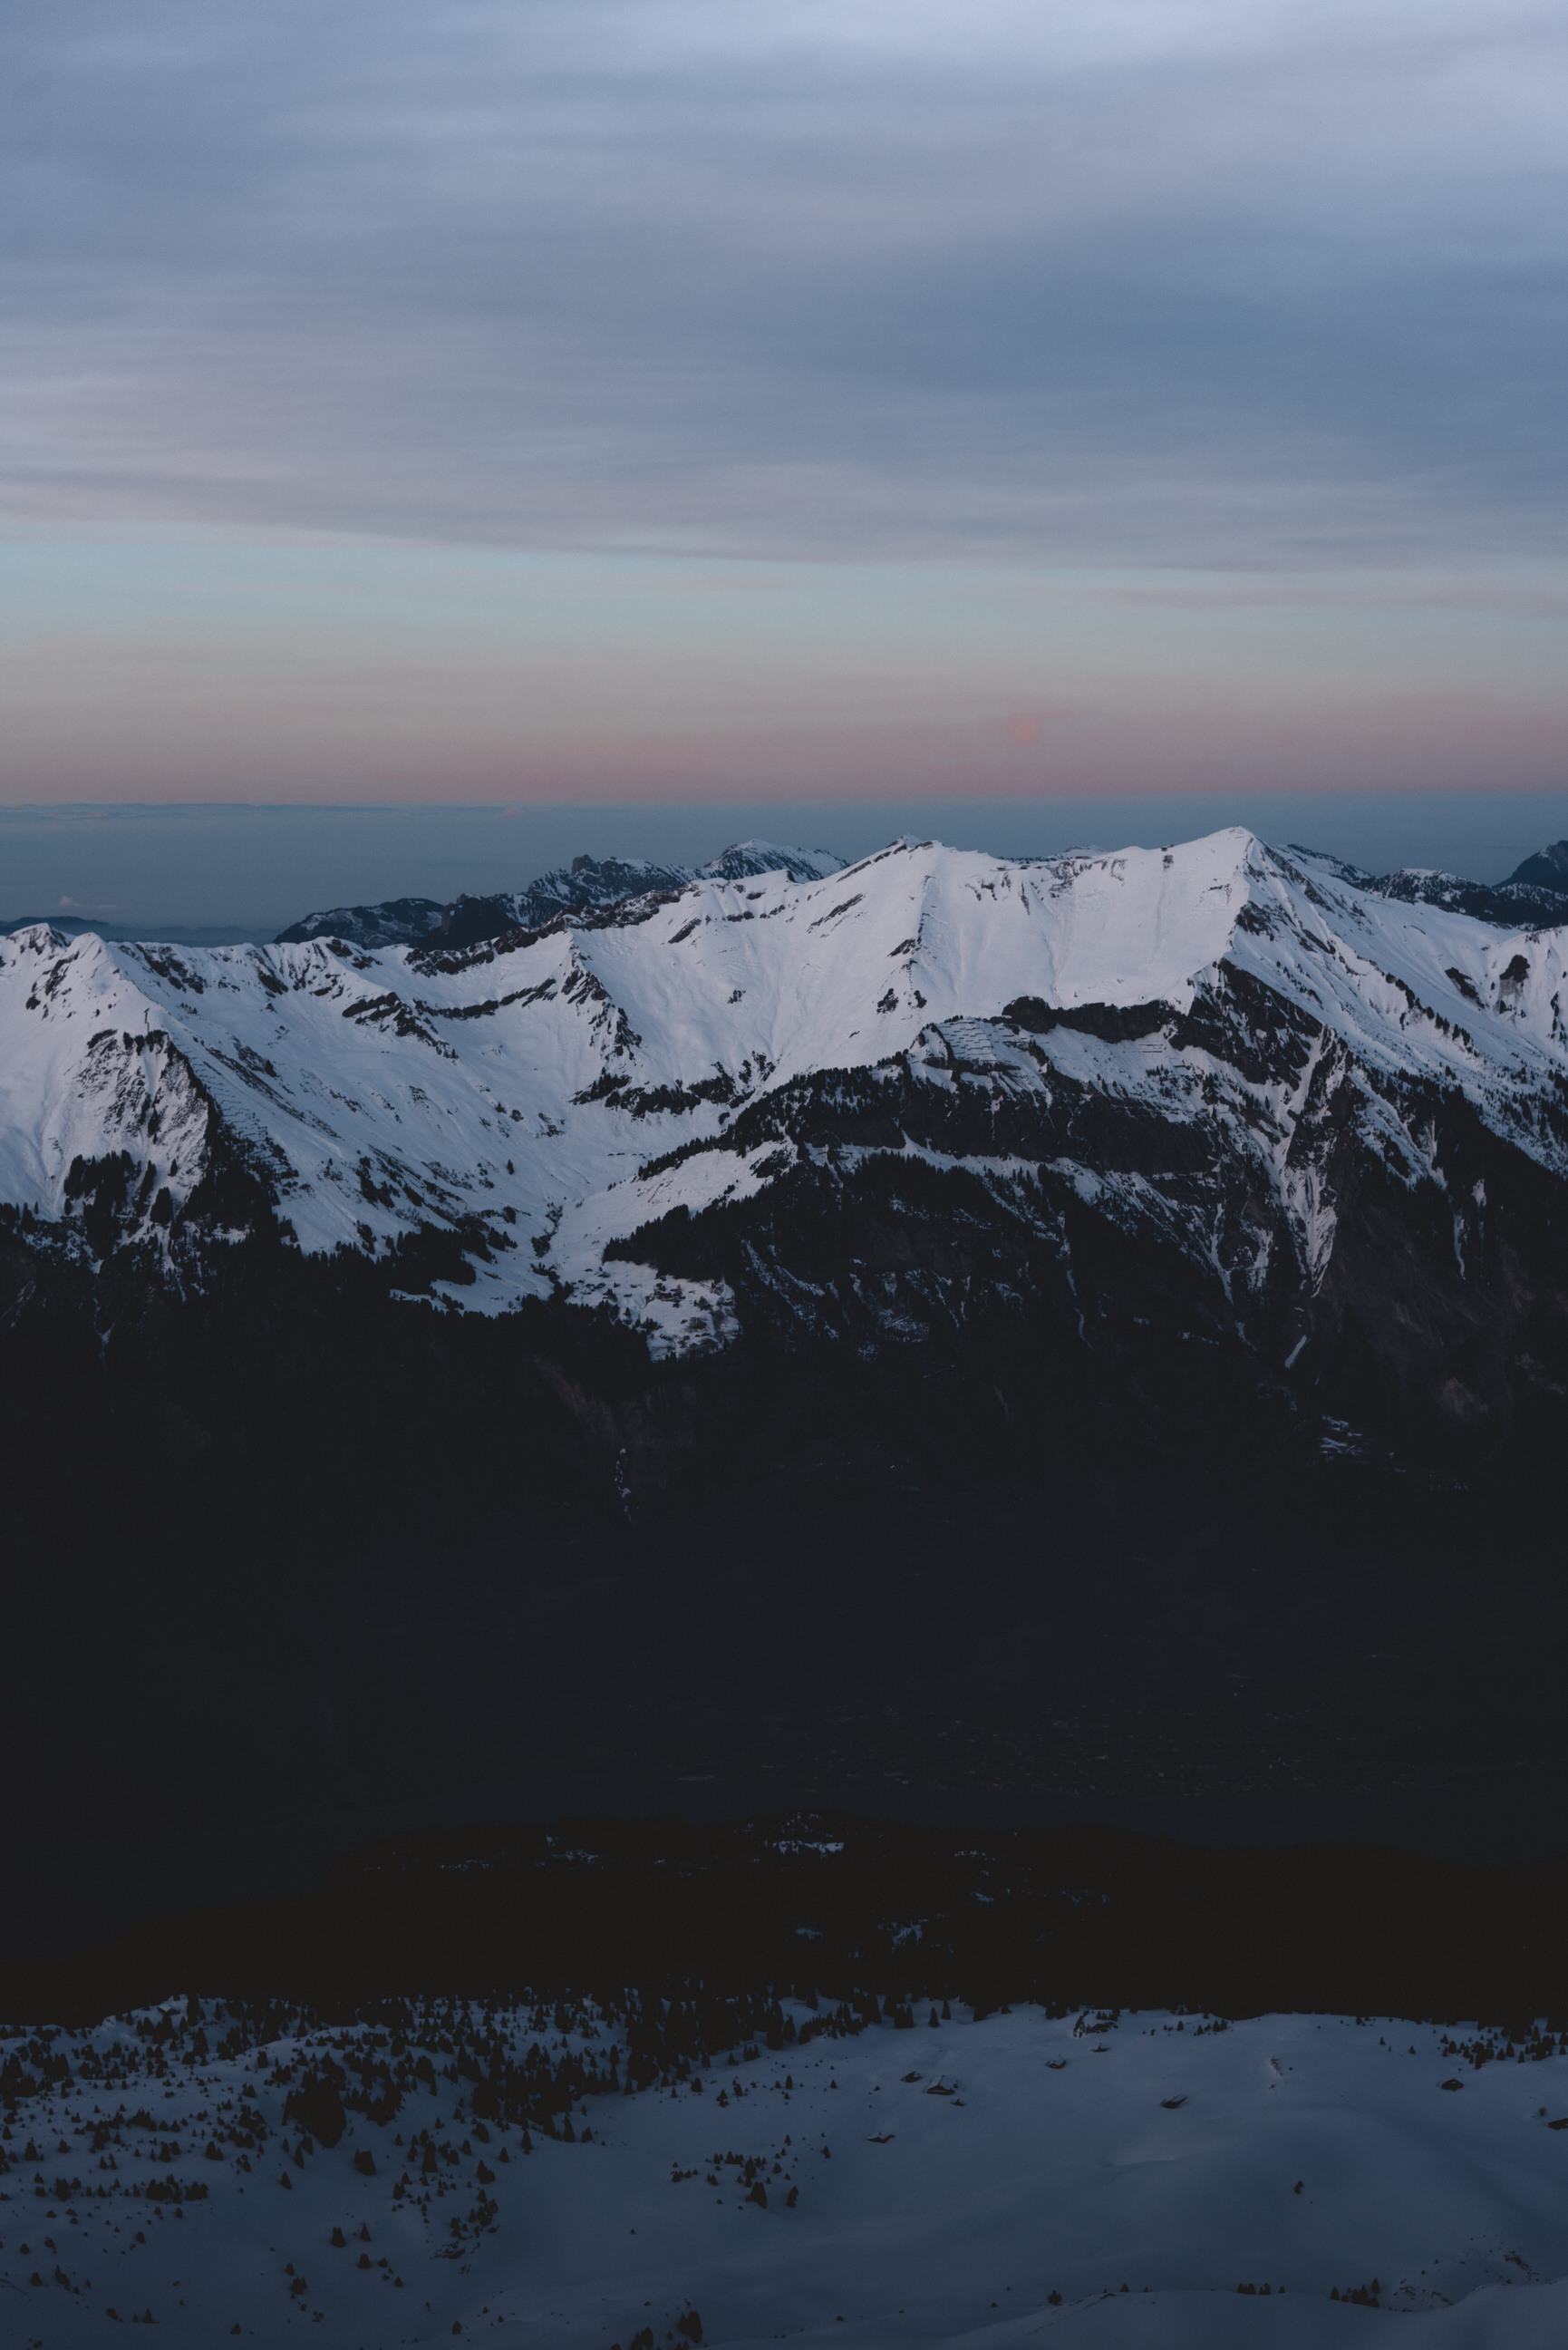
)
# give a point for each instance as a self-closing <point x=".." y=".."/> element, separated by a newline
<point x="990" y="2183"/>
<point x="554" y="1090"/>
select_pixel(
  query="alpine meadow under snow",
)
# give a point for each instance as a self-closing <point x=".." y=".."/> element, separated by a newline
<point x="1144" y="2179"/>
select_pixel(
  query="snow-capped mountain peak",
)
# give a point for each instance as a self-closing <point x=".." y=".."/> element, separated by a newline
<point x="548" y="1095"/>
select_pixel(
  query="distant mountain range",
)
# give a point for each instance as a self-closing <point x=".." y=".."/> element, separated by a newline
<point x="1534" y="892"/>
<point x="589" y="882"/>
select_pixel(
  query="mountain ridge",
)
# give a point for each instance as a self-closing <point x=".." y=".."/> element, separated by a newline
<point x="1536" y="890"/>
<point x="586" y="883"/>
<point x="850" y="1108"/>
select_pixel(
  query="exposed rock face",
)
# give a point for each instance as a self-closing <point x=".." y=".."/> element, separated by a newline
<point x="892" y="1214"/>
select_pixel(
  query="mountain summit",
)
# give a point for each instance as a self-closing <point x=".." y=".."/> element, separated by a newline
<point x="1548" y="870"/>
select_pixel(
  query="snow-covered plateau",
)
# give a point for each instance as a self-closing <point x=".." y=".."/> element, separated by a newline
<point x="1210" y="1049"/>
<point x="1136" y="2181"/>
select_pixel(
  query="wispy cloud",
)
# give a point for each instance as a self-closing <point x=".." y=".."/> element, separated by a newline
<point x="1134" y="280"/>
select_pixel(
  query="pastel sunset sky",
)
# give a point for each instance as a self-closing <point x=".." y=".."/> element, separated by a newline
<point x="645" y="400"/>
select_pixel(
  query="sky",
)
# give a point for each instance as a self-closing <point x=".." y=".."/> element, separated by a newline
<point x="653" y="402"/>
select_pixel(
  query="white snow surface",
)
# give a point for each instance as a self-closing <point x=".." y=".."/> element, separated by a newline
<point x="1313" y="2155"/>
<point x="383" y="1089"/>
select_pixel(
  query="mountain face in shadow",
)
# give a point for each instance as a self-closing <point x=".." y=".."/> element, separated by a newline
<point x="1095" y="1323"/>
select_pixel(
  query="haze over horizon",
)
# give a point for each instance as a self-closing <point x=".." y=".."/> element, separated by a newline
<point x="647" y="401"/>
<point x="236" y="870"/>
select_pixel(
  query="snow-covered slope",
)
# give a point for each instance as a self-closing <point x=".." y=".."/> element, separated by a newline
<point x="549" y="1093"/>
<point x="1155" y="2182"/>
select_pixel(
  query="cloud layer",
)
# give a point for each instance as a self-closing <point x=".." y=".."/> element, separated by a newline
<point x="1140" y="281"/>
